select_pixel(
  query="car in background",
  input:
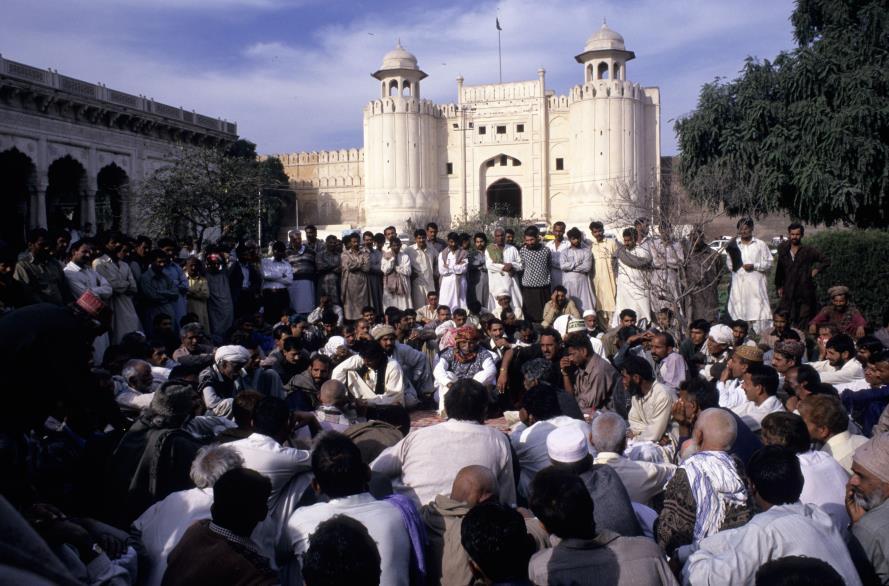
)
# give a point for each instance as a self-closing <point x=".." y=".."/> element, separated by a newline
<point x="719" y="244"/>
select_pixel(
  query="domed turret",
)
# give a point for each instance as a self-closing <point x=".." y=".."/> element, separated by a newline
<point x="604" y="39"/>
<point x="605" y="56"/>
<point x="399" y="58"/>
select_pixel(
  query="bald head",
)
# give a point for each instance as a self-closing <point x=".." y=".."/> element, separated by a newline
<point x="332" y="392"/>
<point x="473" y="485"/>
<point x="609" y="432"/>
<point x="715" y="429"/>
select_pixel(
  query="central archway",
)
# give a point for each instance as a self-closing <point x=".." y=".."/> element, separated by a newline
<point x="505" y="198"/>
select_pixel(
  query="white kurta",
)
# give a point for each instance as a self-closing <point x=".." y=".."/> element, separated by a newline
<point x="423" y="266"/>
<point x="576" y="264"/>
<point x="500" y="280"/>
<point x="749" y="296"/>
<point x="362" y="385"/>
<point x="632" y="289"/>
<point x="123" y="283"/>
<point x="85" y="279"/>
<point x="452" y="291"/>
<point x="401" y="266"/>
<point x="604" y="280"/>
<point x="556" y="249"/>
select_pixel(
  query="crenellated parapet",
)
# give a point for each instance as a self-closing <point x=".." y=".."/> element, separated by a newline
<point x="398" y="104"/>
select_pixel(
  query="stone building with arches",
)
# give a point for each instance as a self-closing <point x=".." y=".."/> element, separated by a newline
<point x="509" y="148"/>
<point x="69" y="150"/>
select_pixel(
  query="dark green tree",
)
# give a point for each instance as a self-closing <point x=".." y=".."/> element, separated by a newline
<point x="806" y="134"/>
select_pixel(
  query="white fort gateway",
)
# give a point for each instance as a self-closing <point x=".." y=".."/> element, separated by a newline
<point x="508" y="148"/>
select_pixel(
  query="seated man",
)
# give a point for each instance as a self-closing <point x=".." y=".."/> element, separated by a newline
<point x="302" y="390"/>
<point x="341" y="551"/>
<point x="415" y="370"/>
<point x="265" y="452"/>
<point x="343" y="478"/>
<point x="592" y="380"/>
<point x="559" y="304"/>
<point x="429" y="312"/>
<point x="134" y="392"/>
<point x="160" y="528"/>
<point x="696" y="342"/>
<point x="708" y="492"/>
<point x="643" y="480"/>
<point x="335" y="412"/>
<point x="866" y="406"/>
<point x="729" y="386"/>
<point x="760" y="385"/>
<point x="824" y="479"/>
<point x="541" y="371"/>
<point x="866" y="497"/>
<point x="192" y="350"/>
<point x="716" y="351"/>
<point x="466" y="360"/>
<point x="566" y="510"/>
<point x="740" y="330"/>
<point x="828" y="425"/>
<point x="651" y="402"/>
<point x="214" y="551"/>
<point x="786" y="527"/>
<point x="840" y="368"/>
<point x="670" y="366"/>
<point x="421" y="469"/>
<point x="326" y="305"/>
<point x="843" y="316"/>
<point x="497" y="544"/>
<point x="539" y="414"/>
<point x="371" y="376"/>
<point x="569" y="449"/>
<point x="219" y="383"/>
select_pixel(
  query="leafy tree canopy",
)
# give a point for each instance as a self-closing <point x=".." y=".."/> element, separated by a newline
<point x="806" y="134"/>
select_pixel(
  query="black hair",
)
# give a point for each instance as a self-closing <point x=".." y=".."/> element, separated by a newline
<point x="459" y="311"/>
<point x="796" y="226"/>
<point x="509" y="231"/>
<point x="432" y="225"/>
<point x="782" y="313"/>
<point x="481" y="235"/>
<point x="764" y="376"/>
<point x="579" y="341"/>
<point x="155" y="254"/>
<point x="702" y="392"/>
<point x="562" y="503"/>
<point x="669" y="340"/>
<point x="740" y="323"/>
<point x="244" y="407"/>
<point x="596" y="226"/>
<point x="775" y="472"/>
<point x="341" y="553"/>
<point x="627" y="313"/>
<point x="337" y="465"/>
<point x="636" y="365"/>
<point x="280" y="331"/>
<point x="321" y="358"/>
<point x="496" y="539"/>
<point x="575" y="233"/>
<point x="291" y="343"/>
<point x="631" y="232"/>
<point x="561" y="289"/>
<point x="533" y="231"/>
<point x="842" y="343"/>
<point x="419" y="232"/>
<point x="238" y="493"/>
<point x="541" y="402"/>
<point x="870" y="343"/>
<point x="788" y="430"/>
<point x="798" y="570"/>
<point x="270" y="416"/>
<point x="876" y="357"/>
<point x="806" y="374"/>
<point x="467" y="400"/>
<point x="453" y="236"/>
<point x="372" y="352"/>
<point x="36" y="234"/>
<point x="744" y="222"/>
<point x="627" y="332"/>
<point x="552" y="332"/>
<point x="165" y="242"/>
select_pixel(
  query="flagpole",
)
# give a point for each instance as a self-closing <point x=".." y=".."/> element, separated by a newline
<point x="499" y="55"/>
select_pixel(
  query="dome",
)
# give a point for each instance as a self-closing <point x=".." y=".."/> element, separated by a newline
<point x="399" y="58"/>
<point x="605" y="39"/>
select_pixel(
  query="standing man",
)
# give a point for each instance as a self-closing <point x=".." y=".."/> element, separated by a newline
<point x="452" y="264"/>
<point x="749" y="259"/>
<point x="798" y="264"/>
<point x="82" y="278"/>
<point x="556" y="246"/>
<point x="432" y="238"/>
<point x="604" y="251"/>
<point x="537" y="261"/>
<point x="355" y="265"/>
<point x="41" y="274"/>
<point x="312" y="239"/>
<point x="245" y="281"/>
<point x="327" y="263"/>
<point x="576" y="263"/>
<point x="503" y="263"/>
<point x="634" y="261"/>
<point x="177" y="275"/>
<point x="116" y="271"/>
<point x="423" y="268"/>
<point x="277" y="275"/>
<point x="703" y="272"/>
<point x="302" y="260"/>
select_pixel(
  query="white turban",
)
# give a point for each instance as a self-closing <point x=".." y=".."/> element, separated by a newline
<point x="232" y="353"/>
<point x="333" y="344"/>
<point x="721" y="334"/>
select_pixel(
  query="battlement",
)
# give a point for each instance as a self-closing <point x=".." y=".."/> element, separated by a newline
<point x="401" y="104"/>
<point x="495" y="92"/>
<point x="315" y="157"/>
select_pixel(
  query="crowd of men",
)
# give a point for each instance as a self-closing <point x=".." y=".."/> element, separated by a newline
<point x="584" y="412"/>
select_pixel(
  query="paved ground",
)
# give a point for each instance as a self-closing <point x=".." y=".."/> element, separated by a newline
<point x="425" y="418"/>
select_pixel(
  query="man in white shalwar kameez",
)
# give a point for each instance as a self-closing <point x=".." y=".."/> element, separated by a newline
<point x="604" y="251"/>
<point x="632" y="279"/>
<point x="119" y="275"/>
<point x="424" y="260"/>
<point x="576" y="262"/>
<point x="558" y="244"/>
<point x="503" y="262"/>
<point x="750" y="260"/>
<point x="453" y="262"/>
<point x="81" y="278"/>
<point x="396" y="267"/>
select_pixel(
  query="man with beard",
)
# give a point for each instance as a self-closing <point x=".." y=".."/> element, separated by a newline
<point x="590" y="378"/>
<point x="465" y="360"/>
<point x="219" y="383"/>
<point x="548" y="347"/>
<point x="354" y="277"/>
<point x="840" y="368"/>
<point x="866" y="496"/>
<point x="117" y="272"/>
<point x="82" y="278"/>
<point x="795" y="272"/>
<point x="40" y="273"/>
<point x="304" y="387"/>
<point x="696" y="341"/>
<point x="650" y="401"/>
<point x="371" y="377"/>
<point x="414" y="365"/>
<point x="633" y="280"/>
<point x="844" y="317"/>
<point x="749" y="259"/>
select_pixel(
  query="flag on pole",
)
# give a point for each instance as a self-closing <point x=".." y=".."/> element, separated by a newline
<point x="498" y="24"/>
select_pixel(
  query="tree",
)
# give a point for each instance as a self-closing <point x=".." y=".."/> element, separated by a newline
<point x="806" y="134"/>
<point x="202" y="189"/>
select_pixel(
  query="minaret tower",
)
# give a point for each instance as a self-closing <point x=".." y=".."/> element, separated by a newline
<point x="401" y="167"/>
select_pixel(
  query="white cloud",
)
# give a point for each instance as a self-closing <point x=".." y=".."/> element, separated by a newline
<point x="289" y="96"/>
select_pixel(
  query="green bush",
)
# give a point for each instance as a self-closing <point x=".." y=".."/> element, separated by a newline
<point x="859" y="259"/>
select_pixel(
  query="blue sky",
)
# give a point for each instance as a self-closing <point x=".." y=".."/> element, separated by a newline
<point x="294" y="74"/>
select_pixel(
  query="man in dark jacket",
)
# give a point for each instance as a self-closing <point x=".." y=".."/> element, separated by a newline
<point x="245" y="281"/>
<point x="795" y="272"/>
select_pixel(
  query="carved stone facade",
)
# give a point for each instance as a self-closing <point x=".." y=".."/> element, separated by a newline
<point x="507" y="148"/>
<point x="74" y="147"/>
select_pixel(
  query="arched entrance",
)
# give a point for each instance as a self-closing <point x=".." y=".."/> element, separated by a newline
<point x="505" y="198"/>
<point x="112" y="183"/>
<point x="18" y="182"/>
<point x="67" y="184"/>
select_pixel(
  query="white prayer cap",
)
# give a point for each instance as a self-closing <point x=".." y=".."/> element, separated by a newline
<point x="294" y="232"/>
<point x="721" y="334"/>
<point x="232" y="353"/>
<point x="567" y="444"/>
<point x="333" y="344"/>
<point x="588" y="313"/>
<point x="560" y="324"/>
<point x="501" y="293"/>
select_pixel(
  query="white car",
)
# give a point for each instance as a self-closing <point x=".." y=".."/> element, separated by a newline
<point x="719" y="245"/>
